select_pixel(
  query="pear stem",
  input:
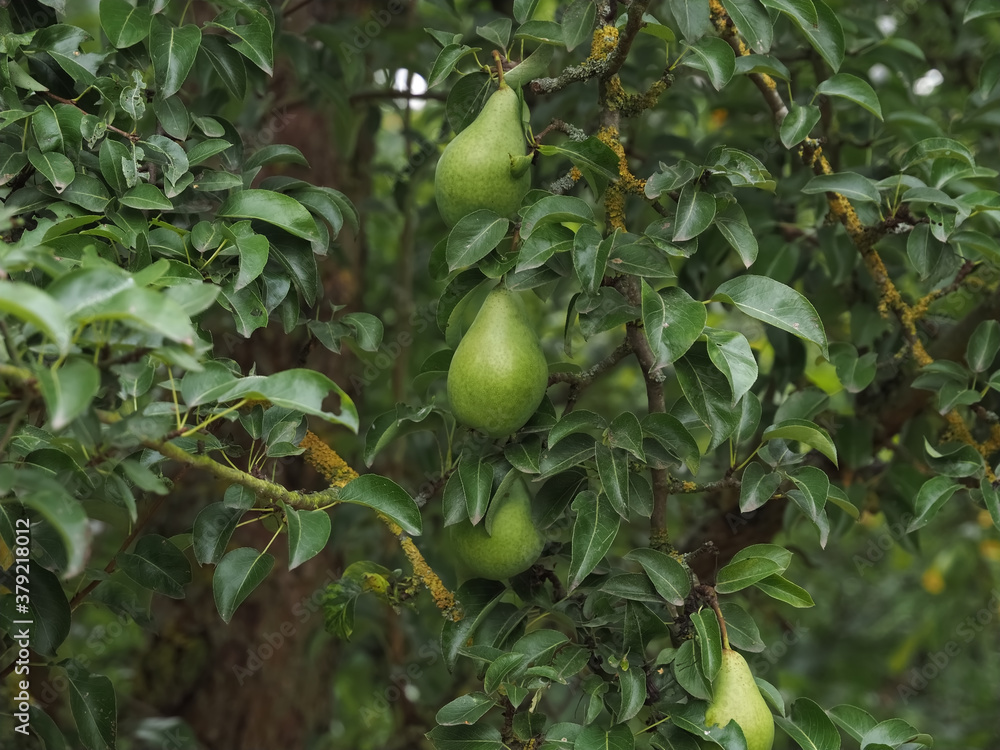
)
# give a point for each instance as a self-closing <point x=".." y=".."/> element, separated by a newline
<point x="496" y="58"/>
<point x="708" y="594"/>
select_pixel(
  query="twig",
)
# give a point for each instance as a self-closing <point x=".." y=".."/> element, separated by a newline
<point x="131" y="136"/>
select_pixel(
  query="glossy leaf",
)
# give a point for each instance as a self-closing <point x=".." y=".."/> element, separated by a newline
<point x="805" y="432"/>
<point x="384" y="496"/>
<point x="308" y="532"/>
<point x="670" y="578"/>
<point x="594" y="530"/>
<point x="236" y="576"/>
<point x="774" y="303"/>
<point x="854" y="89"/>
<point x="672" y="321"/>
<point x="809" y="726"/>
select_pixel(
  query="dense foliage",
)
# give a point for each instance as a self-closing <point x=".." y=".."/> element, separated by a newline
<point x="760" y="245"/>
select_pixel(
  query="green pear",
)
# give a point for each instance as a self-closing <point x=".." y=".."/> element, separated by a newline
<point x="737" y="697"/>
<point x="512" y="548"/>
<point x="498" y="374"/>
<point x="485" y="166"/>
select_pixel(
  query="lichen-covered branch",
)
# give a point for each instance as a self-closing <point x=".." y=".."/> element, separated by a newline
<point x="335" y="470"/>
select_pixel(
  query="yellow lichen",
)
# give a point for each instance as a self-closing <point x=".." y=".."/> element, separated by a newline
<point x="326" y="461"/>
<point x="336" y="471"/>
<point x="604" y="41"/>
<point x="575" y="174"/>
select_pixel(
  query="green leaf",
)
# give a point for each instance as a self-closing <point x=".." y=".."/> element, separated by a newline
<point x="739" y="574"/>
<point x="533" y="66"/>
<point x="300" y="390"/>
<point x="555" y="209"/>
<point x="594" y="530"/>
<point x="936" y="148"/>
<point x="730" y="352"/>
<point x="48" y="610"/>
<point x="762" y="64"/>
<point x="466" y="709"/>
<point x="706" y="626"/>
<point x="933" y="494"/>
<point x="497" y="32"/>
<point x="855" y="721"/>
<point x="854" y="372"/>
<point x="612" y="468"/>
<point x="146" y="197"/>
<point x="798" y="123"/>
<point x="213" y="528"/>
<point x="55" y="167"/>
<point x="386" y="497"/>
<point x="546" y="32"/>
<point x="854" y="89"/>
<point x="87" y="192"/>
<point x="236" y="576"/>
<point x="757" y="487"/>
<point x="809" y="726"/>
<point x="695" y="212"/>
<point x="593" y="157"/>
<point x="95" y="710"/>
<point x="275" y="153"/>
<point x="473" y="237"/>
<point x="669" y="577"/>
<point x="477" y="598"/>
<point x="578" y="22"/>
<point x="446" y="61"/>
<point x="804" y="432"/>
<point x="826" y="35"/>
<point x="69" y="390"/>
<point x="124" y="24"/>
<point x="692" y="17"/>
<point x="991" y="497"/>
<point x="37" y="308"/>
<point x="708" y="393"/>
<point x="67" y="517"/>
<point x="851" y="185"/>
<point x="675" y="438"/>
<point x="716" y="58"/>
<point x="571" y="451"/>
<point x="308" y="532"/>
<point x="476" y="480"/>
<point x="983" y="346"/>
<point x="741" y="628"/>
<point x="733" y="225"/>
<point x="780" y="588"/>
<point x="752" y="21"/>
<point x="590" y="256"/>
<point x="578" y="420"/>
<point x="474" y="737"/>
<point x="687" y="672"/>
<point x="772" y="302"/>
<point x="173" y="51"/>
<point x="978" y="9"/>
<point x="619" y="737"/>
<point x="625" y="432"/>
<point x="672" y="322"/>
<point x="274" y="208"/>
<point x="157" y="564"/>
<point x="813" y="489"/>
<point x="255" y="37"/>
